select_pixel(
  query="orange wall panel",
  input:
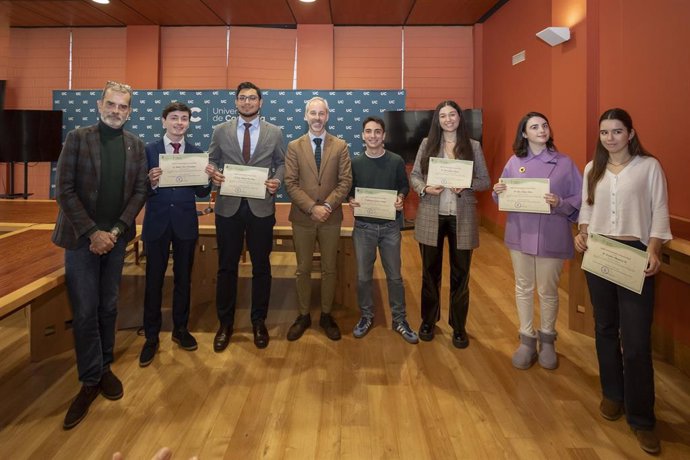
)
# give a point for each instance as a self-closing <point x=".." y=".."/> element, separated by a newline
<point x="193" y="57"/>
<point x="368" y="57"/>
<point x="438" y="65"/>
<point x="143" y="57"/>
<point x="263" y="56"/>
<point x="4" y="40"/>
<point x="315" y="56"/>
<point x="98" y="55"/>
<point x="645" y="69"/>
<point x="39" y="63"/>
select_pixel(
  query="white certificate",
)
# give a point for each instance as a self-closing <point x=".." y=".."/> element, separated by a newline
<point x="524" y="195"/>
<point x="244" y="181"/>
<point x="450" y="173"/>
<point x="616" y="262"/>
<point x="375" y="202"/>
<point x="182" y="169"/>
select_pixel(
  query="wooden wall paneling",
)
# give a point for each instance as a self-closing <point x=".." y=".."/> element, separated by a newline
<point x="193" y="57"/>
<point x="263" y="56"/>
<point x="315" y="61"/>
<point x="438" y="65"/>
<point x="367" y="57"/>
<point x="143" y="57"/>
<point x="98" y="55"/>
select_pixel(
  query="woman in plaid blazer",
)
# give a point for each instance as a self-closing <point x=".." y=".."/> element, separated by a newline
<point x="447" y="212"/>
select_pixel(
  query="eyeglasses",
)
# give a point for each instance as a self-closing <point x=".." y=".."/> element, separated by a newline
<point x="252" y="98"/>
<point x="117" y="85"/>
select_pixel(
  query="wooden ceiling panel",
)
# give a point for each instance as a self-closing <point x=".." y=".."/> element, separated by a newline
<point x="259" y="12"/>
<point x="61" y="13"/>
<point x="449" y="12"/>
<point x="318" y="12"/>
<point x="126" y="15"/>
<point x="175" y="12"/>
<point x="71" y="13"/>
<point x="368" y="12"/>
<point x="26" y="17"/>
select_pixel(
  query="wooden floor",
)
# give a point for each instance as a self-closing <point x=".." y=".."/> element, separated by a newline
<point x="377" y="397"/>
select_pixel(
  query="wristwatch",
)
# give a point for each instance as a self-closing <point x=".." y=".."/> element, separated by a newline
<point x="422" y="193"/>
<point x="115" y="231"/>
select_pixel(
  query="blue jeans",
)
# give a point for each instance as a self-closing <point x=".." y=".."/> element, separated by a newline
<point x="366" y="238"/>
<point x="623" y="332"/>
<point x="93" y="283"/>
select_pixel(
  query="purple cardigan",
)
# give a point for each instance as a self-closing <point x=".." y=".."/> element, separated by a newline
<point x="545" y="235"/>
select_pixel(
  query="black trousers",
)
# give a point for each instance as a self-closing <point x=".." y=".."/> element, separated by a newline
<point x="157" y="255"/>
<point x="432" y="267"/>
<point x="230" y="235"/>
<point x="623" y="333"/>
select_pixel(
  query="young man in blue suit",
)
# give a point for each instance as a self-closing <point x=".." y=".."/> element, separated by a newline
<point x="170" y="218"/>
<point x="246" y="140"/>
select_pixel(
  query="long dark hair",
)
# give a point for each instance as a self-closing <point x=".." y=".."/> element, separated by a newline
<point x="521" y="143"/>
<point x="462" y="149"/>
<point x="601" y="155"/>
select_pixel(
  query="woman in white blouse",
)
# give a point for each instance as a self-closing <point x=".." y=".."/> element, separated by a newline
<point x="624" y="197"/>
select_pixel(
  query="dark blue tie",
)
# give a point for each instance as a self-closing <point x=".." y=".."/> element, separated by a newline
<point x="317" y="152"/>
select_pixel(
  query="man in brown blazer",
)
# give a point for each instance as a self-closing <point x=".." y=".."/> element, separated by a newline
<point x="100" y="187"/>
<point x="318" y="177"/>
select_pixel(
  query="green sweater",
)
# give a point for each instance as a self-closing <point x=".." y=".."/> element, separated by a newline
<point x="112" y="183"/>
<point x="385" y="172"/>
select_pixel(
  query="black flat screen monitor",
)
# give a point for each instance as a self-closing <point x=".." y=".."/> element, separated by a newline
<point x="30" y="135"/>
<point x="406" y="129"/>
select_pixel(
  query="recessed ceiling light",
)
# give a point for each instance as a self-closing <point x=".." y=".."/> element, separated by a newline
<point x="307" y="1"/>
<point x="102" y="2"/>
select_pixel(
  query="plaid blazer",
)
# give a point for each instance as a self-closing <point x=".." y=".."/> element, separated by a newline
<point x="77" y="180"/>
<point x="426" y="224"/>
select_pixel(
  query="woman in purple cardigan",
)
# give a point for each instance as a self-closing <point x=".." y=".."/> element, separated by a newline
<point x="539" y="243"/>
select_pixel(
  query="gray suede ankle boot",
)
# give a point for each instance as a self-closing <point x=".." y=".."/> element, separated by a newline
<point x="526" y="354"/>
<point x="547" y="351"/>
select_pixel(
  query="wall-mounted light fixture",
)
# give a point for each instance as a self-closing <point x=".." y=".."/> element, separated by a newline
<point x="554" y="35"/>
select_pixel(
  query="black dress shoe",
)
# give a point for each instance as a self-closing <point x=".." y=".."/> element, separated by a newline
<point x="260" y="334"/>
<point x="329" y="326"/>
<point x="148" y="352"/>
<point x="80" y="406"/>
<point x="301" y="324"/>
<point x="426" y="332"/>
<point x="460" y="339"/>
<point x="222" y="338"/>
<point x="110" y="385"/>
<point x="184" y="339"/>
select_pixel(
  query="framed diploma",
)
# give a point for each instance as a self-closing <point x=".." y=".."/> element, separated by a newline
<point x="524" y="195"/>
<point x="244" y="181"/>
<point x="180" y="170"/>
<point x="375" y="202"/>
<point x="616" y="262"/>
<point x="450" y="173"/>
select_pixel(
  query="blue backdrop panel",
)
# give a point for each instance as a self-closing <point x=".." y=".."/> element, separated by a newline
<point x="284" y="108"/>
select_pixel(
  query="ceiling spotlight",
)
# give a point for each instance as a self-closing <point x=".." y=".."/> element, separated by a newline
<point x="102" y="2"/>
<point x="307" y="1"/>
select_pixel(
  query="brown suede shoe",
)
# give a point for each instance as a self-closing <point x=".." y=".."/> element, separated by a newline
<point x="648" y="441"/>
<point x="611" y="410"/>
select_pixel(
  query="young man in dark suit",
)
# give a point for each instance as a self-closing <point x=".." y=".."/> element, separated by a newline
<point x="170" y="218"/>
<point x="100" y="187"/>
<point x="245" y="140"/>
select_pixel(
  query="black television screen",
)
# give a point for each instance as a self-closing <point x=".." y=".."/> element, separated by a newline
<point x="30" y="135"/>
<point x="406" y="129"/>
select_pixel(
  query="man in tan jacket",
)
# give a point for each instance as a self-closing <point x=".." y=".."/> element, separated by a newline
<point x="318" y="177"/>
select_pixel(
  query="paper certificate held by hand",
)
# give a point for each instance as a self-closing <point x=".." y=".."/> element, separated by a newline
<point x="375" y="202"/>
<point x="616" y="262"/>
<point x="244" y="181"/>
<point x="182" y="169"/>
<point x="450" y="173"/>
<point x="524" y="195"/>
